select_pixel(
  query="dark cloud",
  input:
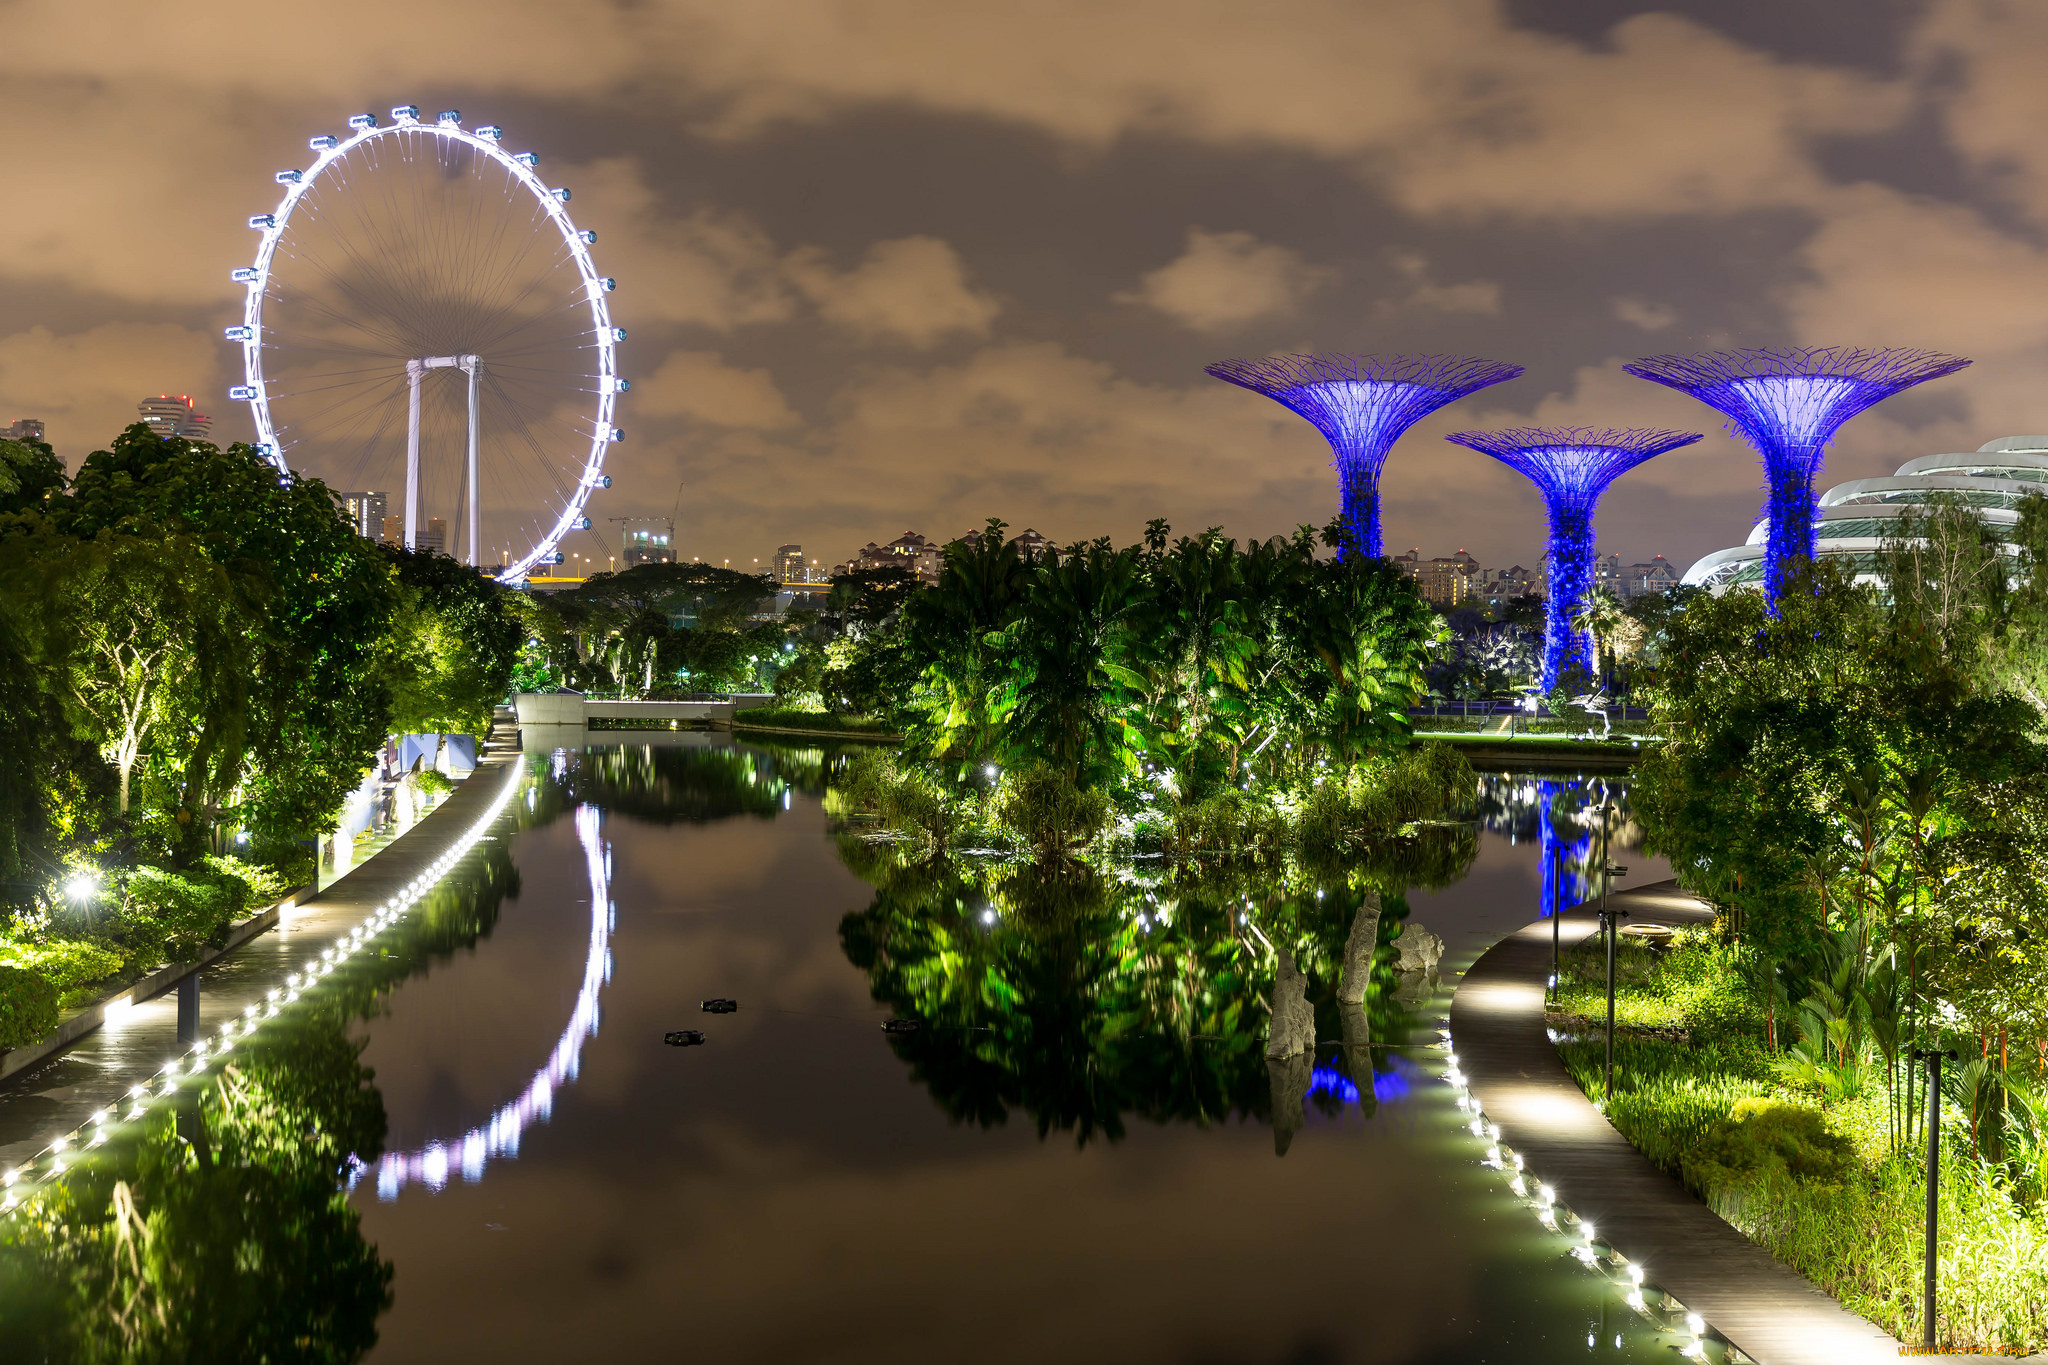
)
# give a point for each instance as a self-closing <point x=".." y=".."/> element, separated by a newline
<point x="887" y="267"/>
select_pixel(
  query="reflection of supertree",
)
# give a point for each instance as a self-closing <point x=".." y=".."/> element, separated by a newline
<point x="1362" y="404"/>
<point x="1788" y="403"/>
<point x="1572" y="466"/>
<point x="1561" y="815"/>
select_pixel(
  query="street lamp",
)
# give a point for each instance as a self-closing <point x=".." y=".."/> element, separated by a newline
<point x="1609" y="926"/>
<point x="1933" y="1057"/>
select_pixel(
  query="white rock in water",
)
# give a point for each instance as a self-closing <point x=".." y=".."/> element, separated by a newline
<point x="1294" y="1020"/>
<point x="1420" y="949"/>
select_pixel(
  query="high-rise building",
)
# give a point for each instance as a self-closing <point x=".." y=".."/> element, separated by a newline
<point x="435" y="537"/>
<point x="394" y="531"/>
<point x="1645" y="580"/>
<point x="789" y="565"/>
<point x="25" y="429"/>
<point x="367" y="512"/>
<point x="174" y="416"/>
<point x="647" y="540"/>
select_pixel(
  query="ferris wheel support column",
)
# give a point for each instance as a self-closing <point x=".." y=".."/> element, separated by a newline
<point x="414" y="372"/>
<point x="472" y="366"/>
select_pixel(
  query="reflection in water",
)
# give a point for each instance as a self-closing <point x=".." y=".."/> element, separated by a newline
<point x="216" y="1227"/>
<point x="1167" y="993"/>
<point x="1086" y="1001"/>
<point x="1563" y="815"/>
<point x="500" y="1135"/>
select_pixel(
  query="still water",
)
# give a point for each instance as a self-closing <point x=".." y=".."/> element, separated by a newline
<point x="1080" y="1153"/>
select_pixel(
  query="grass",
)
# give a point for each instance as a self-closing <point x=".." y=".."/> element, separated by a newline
<point x="1691" y="1072"/>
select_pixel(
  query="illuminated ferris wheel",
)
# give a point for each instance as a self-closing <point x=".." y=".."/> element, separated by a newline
<point x="424" y="322"/>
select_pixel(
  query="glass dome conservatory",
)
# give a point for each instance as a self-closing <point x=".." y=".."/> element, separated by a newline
<point x="1854" y="518"/>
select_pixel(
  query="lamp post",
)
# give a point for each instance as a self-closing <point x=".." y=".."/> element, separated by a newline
<point x="1556" y="911"/>
<point x="1932" y="1056"/>
<point x="1608" y="871"/>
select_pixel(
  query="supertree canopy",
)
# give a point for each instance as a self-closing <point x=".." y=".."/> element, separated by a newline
<point x="1362" y="404"/>
<point x="1788" y="402"/>
<point x="1572" y="466"/>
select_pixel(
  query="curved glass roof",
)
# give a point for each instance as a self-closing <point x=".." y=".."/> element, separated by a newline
<point x="1856" y="518"/>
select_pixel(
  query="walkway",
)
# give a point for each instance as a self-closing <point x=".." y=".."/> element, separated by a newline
<point x="55" y="1095"/>
<point x="1766" y="1309"/>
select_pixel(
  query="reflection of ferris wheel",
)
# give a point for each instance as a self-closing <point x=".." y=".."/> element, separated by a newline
<point x="423" y="320"/>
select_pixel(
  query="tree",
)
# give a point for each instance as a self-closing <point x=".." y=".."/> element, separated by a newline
<point x="317" y="702"/>
<point x="453" y="643"/>
<point x="142" y="633"/>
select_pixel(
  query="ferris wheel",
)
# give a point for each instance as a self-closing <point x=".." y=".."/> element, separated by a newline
<point x="425" y="331"/>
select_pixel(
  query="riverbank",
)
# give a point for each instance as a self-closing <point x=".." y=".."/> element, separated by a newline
<point x="778" y="720"/>
<point x="1497" y="1025"/>
<point x="1543" y="753"/>
<point x="122" y="997"/>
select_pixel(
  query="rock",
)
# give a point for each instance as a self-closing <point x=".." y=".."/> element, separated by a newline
<point x="1294" y="1020"/>
<point x="1420" y="949"/>
<point x="1290" y="1078"/>
<point x="1358" y="950"/>
<point x="1358" y="1055"/>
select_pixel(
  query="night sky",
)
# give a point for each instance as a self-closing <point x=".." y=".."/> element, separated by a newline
<point x="891" y="265"/>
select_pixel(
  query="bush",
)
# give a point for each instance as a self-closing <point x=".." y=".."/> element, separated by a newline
<point x="1046" y="809"/>
<point x="1229" y="822"/>
<point x="168" y="916"/>
<point x="68" y="964"/>
<point x="1765" y="1137"/>
<point x="28" y="1006"/>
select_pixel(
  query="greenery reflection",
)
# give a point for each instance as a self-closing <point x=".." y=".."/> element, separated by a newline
<point x="1088" y="996"/>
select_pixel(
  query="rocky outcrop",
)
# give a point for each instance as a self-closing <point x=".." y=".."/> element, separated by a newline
<point x="1358" y="949"/>
<point x="1290" y="1078"/>
<point x="1420" y="950"/>
<point x="1294" y="1019"/>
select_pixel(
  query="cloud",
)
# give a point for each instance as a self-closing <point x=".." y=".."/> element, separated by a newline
<point x="710" y="268"/>
<point x="913" y="290"/>
<point x="700" y="385"/>
<point x="1223" y="279"/>
<point x="1472" y="296"/>
<point x="1647" y="314"/>
<point x="85" y="385"/>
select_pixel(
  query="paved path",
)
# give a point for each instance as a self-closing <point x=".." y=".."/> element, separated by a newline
<point x="55" y="1095"/>
<point x="1768" y="1310"/>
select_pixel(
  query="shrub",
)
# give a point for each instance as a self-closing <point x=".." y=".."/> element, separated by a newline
<point x="1765" y="1137"/>
<point x="1229" y="822"/>
<point x="1046" y="809"/>
<point x="68" y="964"/>
<point x="165" y="915"/>
<point x="28" y="1006"/>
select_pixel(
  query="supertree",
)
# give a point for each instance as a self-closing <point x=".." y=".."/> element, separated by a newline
<point x="1788" y="402"/>
<point x="1572" y="466"/>
<point x="1362" y="404"/>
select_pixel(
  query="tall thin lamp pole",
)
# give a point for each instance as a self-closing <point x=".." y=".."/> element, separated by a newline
<point x="1933" y="1057"/>
<point x="1556" y="911"/>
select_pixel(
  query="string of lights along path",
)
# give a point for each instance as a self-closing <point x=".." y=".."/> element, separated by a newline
<point x="423" y="315"/>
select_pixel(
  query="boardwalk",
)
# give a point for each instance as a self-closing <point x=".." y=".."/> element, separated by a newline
<point x="1767" y="1310"/>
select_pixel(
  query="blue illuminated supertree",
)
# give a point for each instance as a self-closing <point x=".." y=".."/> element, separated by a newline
<point x="1788" y="403"/>
<point x="1572" y="466"/>
<point x="1362" y="404"/>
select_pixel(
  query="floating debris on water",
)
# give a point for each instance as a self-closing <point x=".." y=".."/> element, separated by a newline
<point x="720" y="1005"/>
<point x="683" y="1037"/>
<point x="899" y="1026"/>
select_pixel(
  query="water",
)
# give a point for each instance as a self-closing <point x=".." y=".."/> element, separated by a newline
<point x="1074" y="1157"/>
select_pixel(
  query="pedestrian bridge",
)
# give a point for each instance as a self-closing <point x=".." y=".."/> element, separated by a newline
<point x="580" y="709"/>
